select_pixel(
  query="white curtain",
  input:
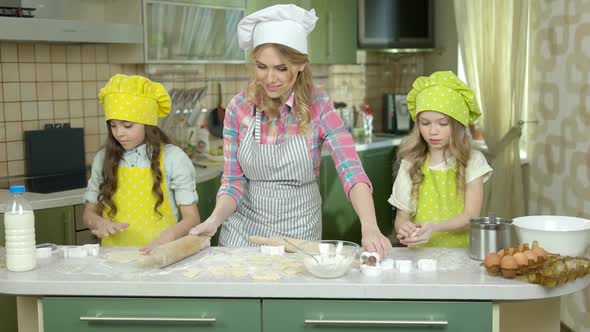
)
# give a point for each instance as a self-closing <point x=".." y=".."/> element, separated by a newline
<point x="494" y="40"/>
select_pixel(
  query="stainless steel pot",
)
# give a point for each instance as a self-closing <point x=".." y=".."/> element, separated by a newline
<point x="489" y="234"/>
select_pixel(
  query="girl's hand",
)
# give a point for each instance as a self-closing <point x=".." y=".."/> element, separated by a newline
<point x="374" y="241"/>
<point x="207" y="228"/>
<point x="102" y="227"/>
<point x="422" y="235"/>
<point x="165" y="237"/>
<point x="407" y="230"/>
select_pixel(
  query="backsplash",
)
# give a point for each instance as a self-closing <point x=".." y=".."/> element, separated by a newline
<point x="58" y="83"/>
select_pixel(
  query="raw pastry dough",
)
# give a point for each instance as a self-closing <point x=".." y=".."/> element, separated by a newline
<point x="123" y="256"/>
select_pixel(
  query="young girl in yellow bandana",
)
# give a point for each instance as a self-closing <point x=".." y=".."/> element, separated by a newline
<point x="439" y="186"/>
<point x="139" y="182"/>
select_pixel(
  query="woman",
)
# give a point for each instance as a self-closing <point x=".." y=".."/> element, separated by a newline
<point x="273" y="134"/>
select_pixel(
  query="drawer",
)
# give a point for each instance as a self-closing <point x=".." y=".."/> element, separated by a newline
<point x="149" y="314"/>
<point x="356" y="316"/>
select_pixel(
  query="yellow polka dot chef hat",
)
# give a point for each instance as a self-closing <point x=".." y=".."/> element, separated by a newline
<point x="134" y="99"/>
<point x="443" y="92"/>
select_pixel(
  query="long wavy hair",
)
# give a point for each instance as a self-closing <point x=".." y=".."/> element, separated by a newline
<point x="414" y="149"/>
<point x="155" y="139"/>
<point x="303" y="86"/>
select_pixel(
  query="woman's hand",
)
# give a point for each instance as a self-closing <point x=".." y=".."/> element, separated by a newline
<point x="207" y="228"/>
<point x="422" y="234"/>
<point x="165" y="237"/>
<point x="374" y="241"/>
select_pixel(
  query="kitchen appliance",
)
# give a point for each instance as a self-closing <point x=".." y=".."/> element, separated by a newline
<point x="567" y="236"/>
<point x="386" y="24"/>
<point x="489" y="234"/>
<point x="55" y="159"/>
<point x="396" y="115"/>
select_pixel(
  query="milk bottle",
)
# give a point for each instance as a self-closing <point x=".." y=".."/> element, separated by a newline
<point x="19" y="226"/>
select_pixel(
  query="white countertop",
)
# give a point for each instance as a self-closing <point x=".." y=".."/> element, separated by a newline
<point x="76" y="196"/>
<point x="237" y="273"/>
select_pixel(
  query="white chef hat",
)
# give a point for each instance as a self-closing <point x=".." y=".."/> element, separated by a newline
<point x="288" y="25"/>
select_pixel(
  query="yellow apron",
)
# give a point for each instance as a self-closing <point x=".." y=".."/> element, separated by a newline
<point x="135" y="205"/>
<point x="438" y="201"/>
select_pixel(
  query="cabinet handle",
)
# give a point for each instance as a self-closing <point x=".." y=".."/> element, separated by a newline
<point x="147" y="319"/>
<point x="391" y="323"/>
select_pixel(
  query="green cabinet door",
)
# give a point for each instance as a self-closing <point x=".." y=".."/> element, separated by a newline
<point x="334" y="39"/>
<point x="378" y="165"/>
<point x="207" y="192"/>
<point x="148" y="314"/>
<point x="357" y="316"/>
<point x="339" y="220"/>
<point x="55" y="225"/>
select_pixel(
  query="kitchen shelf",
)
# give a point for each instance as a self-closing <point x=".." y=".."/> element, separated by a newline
<point x="40" y="29"/>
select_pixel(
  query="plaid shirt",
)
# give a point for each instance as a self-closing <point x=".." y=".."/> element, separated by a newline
<point x="326" y="125"/>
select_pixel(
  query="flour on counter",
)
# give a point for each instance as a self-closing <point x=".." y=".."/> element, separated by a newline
<point x="123" y="256"/>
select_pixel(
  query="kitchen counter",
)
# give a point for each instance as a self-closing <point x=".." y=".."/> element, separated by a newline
<point x="457" y="278"/>
<point x="240" y="289"/>
<point x="75" y="196"/>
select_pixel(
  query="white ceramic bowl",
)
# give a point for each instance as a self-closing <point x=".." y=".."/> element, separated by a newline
<point x="567" y="236"/>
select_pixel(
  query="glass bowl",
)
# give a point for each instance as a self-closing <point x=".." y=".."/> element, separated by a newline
<point x="328" y="258"/>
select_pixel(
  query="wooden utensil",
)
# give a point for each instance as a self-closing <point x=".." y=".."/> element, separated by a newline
<point x="290" y="244"/>
<point x="174" y="251"/>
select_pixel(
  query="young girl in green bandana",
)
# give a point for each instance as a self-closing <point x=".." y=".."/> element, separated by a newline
<point x="439" y="185"/>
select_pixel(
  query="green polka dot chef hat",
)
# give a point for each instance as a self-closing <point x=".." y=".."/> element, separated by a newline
<point x="443" y="92"/>
<point x="134" y="99"/>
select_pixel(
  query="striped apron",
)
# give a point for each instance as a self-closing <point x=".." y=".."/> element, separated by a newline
<point x="280" y="195"/>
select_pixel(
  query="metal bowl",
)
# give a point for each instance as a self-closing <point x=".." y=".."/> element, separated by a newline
<point x="567" y="236"/>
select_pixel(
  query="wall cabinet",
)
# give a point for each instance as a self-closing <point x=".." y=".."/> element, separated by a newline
<point x="199" y="31"/>
<point x="339" y="220"/>
<point x="334" y="39"/>
<point x="139" y="314"/>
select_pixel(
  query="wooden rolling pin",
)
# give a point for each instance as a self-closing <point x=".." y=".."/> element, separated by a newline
<point x="289" y="243"/>
<point x="174" y="251"/>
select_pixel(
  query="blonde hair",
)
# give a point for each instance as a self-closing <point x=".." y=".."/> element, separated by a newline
<point x="414" y="149"/>
<point x="303" y="86"/>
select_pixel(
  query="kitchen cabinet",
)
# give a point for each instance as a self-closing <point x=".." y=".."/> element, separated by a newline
<point x="334" y="38"/>
<point x="357" y="316"/>
<point x="339" y="220"/>
<point x="198" y="31"/>
<point x="56" y="225"/>
<point x="138" y="314"/>
<point x="141" y="314"/>
<point x="207" y="192"/>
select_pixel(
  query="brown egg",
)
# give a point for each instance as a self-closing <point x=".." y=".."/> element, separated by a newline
<point x="531" y="256"/>
<point x="492" y="259"/>
<point x="521" y="260"/>
<point x="540" y="252"/>
<point x="509" y="266"/>
<point x="523" y="247"/>
<point x="492" y="263"/>
<point x="501" y="253"/>
<point x="511" y="251"/>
